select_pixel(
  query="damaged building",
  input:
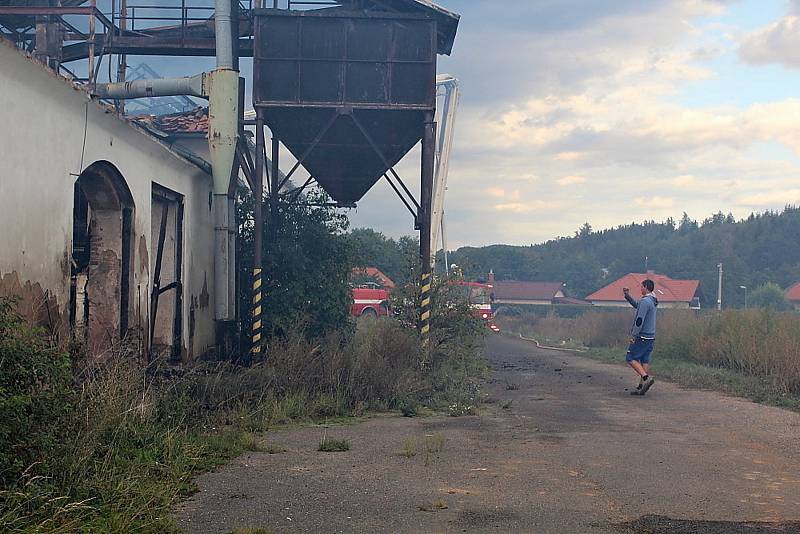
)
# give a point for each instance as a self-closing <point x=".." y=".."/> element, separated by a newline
<point x="87" y="196"/>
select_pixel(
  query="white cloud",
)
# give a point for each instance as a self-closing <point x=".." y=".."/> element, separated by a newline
<point x="777" y="43"/>
<point x="514" y="207"/>
<point x="771" y="199"/>
<point x="497" y="192"/>
<point x="684" y="181"/>
<point x="571" y="180"/>
<point x="655" y="203"/>
<point x="591" y="101"/>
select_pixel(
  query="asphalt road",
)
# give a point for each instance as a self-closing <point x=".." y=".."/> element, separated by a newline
<point x="561" y="448"/>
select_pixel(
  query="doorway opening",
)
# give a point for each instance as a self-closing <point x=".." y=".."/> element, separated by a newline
<point x="102" y="228"/>
<point x="166" y="297"/>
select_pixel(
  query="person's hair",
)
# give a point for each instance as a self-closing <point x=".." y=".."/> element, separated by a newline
<point x="649" y="285"/>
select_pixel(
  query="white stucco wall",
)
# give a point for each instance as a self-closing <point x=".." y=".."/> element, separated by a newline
<point x="42" y="151"/>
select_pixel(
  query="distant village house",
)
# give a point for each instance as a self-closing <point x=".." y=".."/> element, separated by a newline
<point x="670" y="293"/>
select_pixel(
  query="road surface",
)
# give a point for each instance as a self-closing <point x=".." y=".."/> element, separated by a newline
<point x="560" y="448"/>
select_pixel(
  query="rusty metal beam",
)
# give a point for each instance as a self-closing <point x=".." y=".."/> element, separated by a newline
<point x="57" y="11"/>
<point x="154" y="46"/>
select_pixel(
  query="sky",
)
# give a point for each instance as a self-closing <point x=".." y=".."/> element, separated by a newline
<point x="608" y="112"/>
<point x="613" y="111"/>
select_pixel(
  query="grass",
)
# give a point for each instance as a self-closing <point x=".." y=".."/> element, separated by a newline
<point x="273" y="449"/>
<point x="110" y="443"/>
<point x="753" y="354"/>
<point x="333" y="445"/>
<point x="409" y="448"/>
<point x="697" y="376"/>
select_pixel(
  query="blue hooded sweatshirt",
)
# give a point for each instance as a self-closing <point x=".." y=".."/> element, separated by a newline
<point x="644" y="324"/>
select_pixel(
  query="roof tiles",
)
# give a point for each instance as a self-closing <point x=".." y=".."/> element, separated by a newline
<point x="667" y="289"/>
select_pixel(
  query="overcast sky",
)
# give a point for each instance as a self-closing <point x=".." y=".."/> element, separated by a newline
<point x="609" y="111"/>
<point x="613" y="111"/>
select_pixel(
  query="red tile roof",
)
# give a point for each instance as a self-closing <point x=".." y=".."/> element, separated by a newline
<point x="513" y="290"/>
<point x="667" y="289"/>
<point x="793" y="293"/>
<point x="376" y="273"/>
<point x="195" y="121"/>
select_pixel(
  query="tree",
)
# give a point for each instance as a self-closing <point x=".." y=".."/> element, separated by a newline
<point x="307" y="262"/>
<point x="769" y="295"/>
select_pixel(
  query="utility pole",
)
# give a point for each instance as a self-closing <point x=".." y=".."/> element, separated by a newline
<point x="719" y="288"/>
<point x="745" y="295"/>
<point x="646" y="264"/>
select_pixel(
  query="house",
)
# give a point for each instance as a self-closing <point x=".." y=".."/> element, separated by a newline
<point x="528" y="293"/>
<point x="107" y="231"/>
<point x="792" y="294"/>
<point x="670" y="293"/>
<point x="374" y="274"/>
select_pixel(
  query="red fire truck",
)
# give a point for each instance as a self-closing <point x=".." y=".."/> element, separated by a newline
<point x="370" y="300"/>
<point x="480" y="298"/>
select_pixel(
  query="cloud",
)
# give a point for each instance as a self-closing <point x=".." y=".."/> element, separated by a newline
<point x="591" y="97"/>
<point x="498" y="192"/>
<point x="771" y="199"/>
<point x="684" y="181"/>
<point x="655" y="203"/>
<point x="571" y="180"/>
<point x="514" y="207"/>
<point x="777" y="43"/>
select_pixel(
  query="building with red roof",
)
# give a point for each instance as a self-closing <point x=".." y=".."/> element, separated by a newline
<point x="376" y="274"/>
<point x="670" y="293"/>
<point x="793" y="295"/>
<point x="530" y="293"/>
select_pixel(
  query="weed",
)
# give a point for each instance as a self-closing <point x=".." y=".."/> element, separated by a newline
<point x="409" y="448"/>
<point x="252" y="530"/>
<point x="507" y="404"/>
<point x="511" y="386"/>
<point x="459" y="409"/>
<point x="274" y="449"/>
<point x="333" y="445"/>
<point x="408" y="407"/>
<point x="434" y="443"/>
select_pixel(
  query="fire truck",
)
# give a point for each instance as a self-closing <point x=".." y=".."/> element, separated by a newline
<point x="370" y="300"/>
<point x="480" y="299"/>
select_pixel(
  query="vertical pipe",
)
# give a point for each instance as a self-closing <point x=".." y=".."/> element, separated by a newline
<point x="223" y="33"/>
<point x="425" y="211"/>
<point x="93" y="5"/>
<point x="122" y="68"/>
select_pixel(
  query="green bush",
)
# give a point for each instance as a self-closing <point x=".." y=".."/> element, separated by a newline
<point x="34" y="386"/>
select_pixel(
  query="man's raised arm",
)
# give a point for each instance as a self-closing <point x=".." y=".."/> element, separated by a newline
<point x="632" y="301"/>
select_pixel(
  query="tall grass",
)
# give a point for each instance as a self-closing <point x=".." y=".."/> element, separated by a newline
<point x="118" y="441"/>
<point x="758" y="343"/>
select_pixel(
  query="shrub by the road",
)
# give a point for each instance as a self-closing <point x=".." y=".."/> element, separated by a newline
<point x="111" y="444"/>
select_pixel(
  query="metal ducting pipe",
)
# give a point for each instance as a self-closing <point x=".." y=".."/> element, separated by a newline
<point x="223" y="130"/>
<point x="192" y="85"/>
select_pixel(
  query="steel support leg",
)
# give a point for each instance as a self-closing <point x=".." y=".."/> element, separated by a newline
<point x="256" y="343"/>
<point x="425" y="211"/>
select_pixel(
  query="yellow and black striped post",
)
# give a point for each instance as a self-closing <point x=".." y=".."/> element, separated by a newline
<point x="425" y="305"/>
<point x="256" y="330"/>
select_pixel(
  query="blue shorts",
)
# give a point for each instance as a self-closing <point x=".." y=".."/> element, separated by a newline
<point x="640" y="350"/>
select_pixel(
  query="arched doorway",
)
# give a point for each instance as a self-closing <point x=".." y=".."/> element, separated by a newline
<point x="101" y="256"/>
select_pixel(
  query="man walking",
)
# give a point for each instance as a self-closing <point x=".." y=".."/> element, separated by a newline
<point x="643" y="335"/>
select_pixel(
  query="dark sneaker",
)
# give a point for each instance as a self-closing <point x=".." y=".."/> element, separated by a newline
<point x="638" y="390"/>
<point x="647" y="385"/>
